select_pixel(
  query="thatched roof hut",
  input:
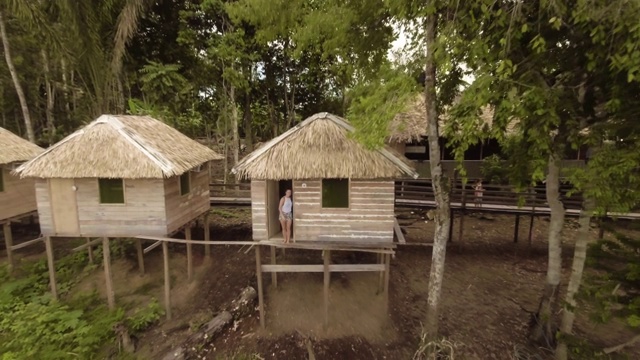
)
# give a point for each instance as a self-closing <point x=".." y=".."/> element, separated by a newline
<point x="320" y="147"/>
<point x="121" y="176"/>
<point x="17" y="196"/>
<point x="16" y="149"/>
<point x="411" y="125"/>
<point x="120" y="146"/>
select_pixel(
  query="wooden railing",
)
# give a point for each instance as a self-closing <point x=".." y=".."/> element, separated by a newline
<point x="421" y="190"/>
<point x="228" y="190"/>
<point x="491" y="194"/>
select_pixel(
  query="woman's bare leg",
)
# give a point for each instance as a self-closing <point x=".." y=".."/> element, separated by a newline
<point x="289" y="230"/>
<point x="283" y="223"/>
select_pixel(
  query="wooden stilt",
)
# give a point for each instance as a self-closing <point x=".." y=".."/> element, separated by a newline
<point x="531" y="227"/>
<point x="450" y="235"/>
<point x="8" y="241"/>
<point x="260" y="294"/>
<point x="207" y="248"/>
<point x="516" y="229"/>
<point x="52" y="267"/>
<point x="274" y="276"/>
<point x="381" y="274"/>
<point x="462" y="211"/>
<point x="387" y="270"/>
<point x="461" y="229"/>
<point x="187" y="236"/>
<point x="327" y="280"/>
<point x="140" y="256"/>
<point x="90" y="250"/>
<point x="106" y="254"/>
<point x="167" y="280"/>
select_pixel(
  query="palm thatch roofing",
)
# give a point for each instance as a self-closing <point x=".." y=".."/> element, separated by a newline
<point x="411" y="125"/>
<point x="13" y="148"/>
<point x="320" y="147"/>
<point x="120" y="146"/>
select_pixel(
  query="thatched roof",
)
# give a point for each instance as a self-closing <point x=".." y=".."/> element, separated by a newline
<point x="120" y="146"/>
<point x="411" y="125"/>
<point x="319" y="147"/>
<point x="13" y="148"/>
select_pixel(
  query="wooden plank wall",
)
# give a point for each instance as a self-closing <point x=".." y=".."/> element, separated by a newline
<point x="18" y="197"/>
<point x="259" y="209"/>
<point x="369" y="217"/>
<point x="142" y="214"/>
<point x="44" y="207"/>
<point x="182" y="209"/>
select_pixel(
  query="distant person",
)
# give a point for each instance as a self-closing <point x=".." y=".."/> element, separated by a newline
<point x="286" y="216"/>
<point x="478" y="190"/>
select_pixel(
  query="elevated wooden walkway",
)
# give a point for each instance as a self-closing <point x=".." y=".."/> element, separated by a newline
<point x="419" y="193"/>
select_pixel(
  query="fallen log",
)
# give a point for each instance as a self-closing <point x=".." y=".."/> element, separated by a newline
<point x="239" y="307"/>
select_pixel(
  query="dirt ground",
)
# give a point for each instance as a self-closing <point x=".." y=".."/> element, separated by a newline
<point x="490" y="284"/>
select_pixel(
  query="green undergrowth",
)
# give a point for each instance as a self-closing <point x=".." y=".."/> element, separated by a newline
<point x="79" y="326"/>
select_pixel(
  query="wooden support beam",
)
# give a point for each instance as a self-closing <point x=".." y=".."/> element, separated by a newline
<point x="285" y="268"/>
<point x="167" y="279"/>
<point x="152" y="246"/>
<point x="398" y="230"/>
<point x="187" y="235"/>
<point x="327" y="280"/>
<point x="140" y="252"/>
<point x="381" y="275"/>
<point x="387" y="272"/>
<point x="516" y="230"/>
<point x="207" y="235"/>
<point x="27" y="243"/>
<point x="260" y="294"/>
<point x="106" y="254"/>
<point x="87" y="244"/>
<point x="52" y="267"/>
<point x="461" y="228"/>
<point x="89" y="251"/>
<point x="451" y="214"/>
<point x="8" y="241"/>
<point x="274" y="275"/>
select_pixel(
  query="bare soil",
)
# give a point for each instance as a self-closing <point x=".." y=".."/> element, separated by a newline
<point x="491" y="284"/>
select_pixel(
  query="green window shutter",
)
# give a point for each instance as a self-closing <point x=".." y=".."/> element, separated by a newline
<point x="111" y="191"/>
<point x="335" y="193"/>
<point x="185" y="183"/>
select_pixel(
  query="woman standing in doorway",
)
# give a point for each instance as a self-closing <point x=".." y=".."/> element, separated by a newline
<point x="286" y="217"/>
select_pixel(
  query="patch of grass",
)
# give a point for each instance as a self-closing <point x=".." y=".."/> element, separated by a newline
<point x="223" y="213"/>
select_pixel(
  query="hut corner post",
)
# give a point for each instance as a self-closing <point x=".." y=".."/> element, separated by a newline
<point x="260" y="293"/>
<point x="107" y="273"/>
<point x="140" y="252"/>
<point x="327" y="280"/>
<point x="167" y="280"/>
<point x="207" y="235"/>
<point x="52" y="267"/>
<point x="274" y="275"/>
<point x="8" y="240"/>
<point x="187" y="236"/>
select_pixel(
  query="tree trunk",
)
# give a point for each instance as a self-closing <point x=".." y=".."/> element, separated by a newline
<point x="583" y="240"/>
<point x="16" y="82"/>
<point x="65" y="86"/>
<point x="439" y="183"/>
<point x="234" y="124"/>
<point x="542" y="331"/>
<point x="51" y="128"/>
<point x="247" y="117"/>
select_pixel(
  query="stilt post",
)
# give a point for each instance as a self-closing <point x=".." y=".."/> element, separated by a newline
<point x="260" y="290"/>
<point x="274" y="275"/>
<point x="106" y="254"/>
<point x="462" y="211"/>
<point x="90" y="251"/>
<point x="207" y="235"/>
<point x="387" y="270"/>
<point x="516" y="229"/>
<point x="167" y="280"/>
<point x="327" y="280"/>
<point x="8" y="241"/>
<point x="187" y="236"/>
<point x="52" y="267"/>
<point x="531" y="226"/>
<point x="140" y="256"/>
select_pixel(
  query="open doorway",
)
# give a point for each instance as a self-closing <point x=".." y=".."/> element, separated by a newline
<point x="275" y="191"/>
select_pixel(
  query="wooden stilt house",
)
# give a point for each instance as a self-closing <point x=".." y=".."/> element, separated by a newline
<point x="342" y="191"/>
<point x="17" y="196"/>
<point x="120" y="176"/>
